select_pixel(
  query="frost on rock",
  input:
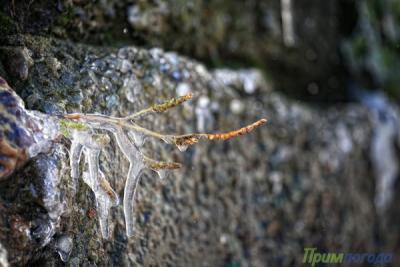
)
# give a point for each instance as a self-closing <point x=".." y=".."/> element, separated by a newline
<point x="44" y="133"/>
<point x="247" y="79"/>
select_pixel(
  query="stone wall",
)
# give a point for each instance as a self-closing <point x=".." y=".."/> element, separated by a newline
<point x="303" y="180"/>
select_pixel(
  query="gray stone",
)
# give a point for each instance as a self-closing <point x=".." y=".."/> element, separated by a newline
<point x="305" y="179"/>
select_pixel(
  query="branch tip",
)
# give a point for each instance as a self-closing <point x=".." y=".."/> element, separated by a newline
<point x="191" y="139"/>
<point x="161" y="165"/>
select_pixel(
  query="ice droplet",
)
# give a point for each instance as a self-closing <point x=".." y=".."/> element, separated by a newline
<point x="93" y="77"/>
<point x="182" y="89"/>
<point x="182" y="148"/>
<point x="138" y="138"/>
<point x="112" y="101"/>
<point x="64" y="247"/>
<point x="162" y="174"/>
<point x="91" y="145"/>
<point x="168" y="139"/>
<point x="236" y="106"/>
<point x="93" y="179"/>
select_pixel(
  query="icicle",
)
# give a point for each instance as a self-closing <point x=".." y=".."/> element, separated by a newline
<point x="92" y="157"/>
<point x="64" y="245"/>
<point x="94" y="141"/>
<point x="105" y="186"/>
<point x="106" y="198"/>
<point x="168" y="139"/>
<point x="162" y="174"/>
<point x="135" y="167"/>
<point x="129" y="138"/>
<point x="182" y="148"/>
<point x="83" y="139"/>
<point x="91" y="145"/>
<point x="129" y="197"/>
<point x="138" y="138"/>
<point x="74" y="159"/>
<point x="104" y="205"/>
<point x="130" y="150"/>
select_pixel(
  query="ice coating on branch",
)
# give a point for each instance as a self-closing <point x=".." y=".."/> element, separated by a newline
<point x="138" y="138"/>
<point x="182" y="148"/>
<point x="23" y="133"/>
<point x="162" y="174"/>
<point x="44" y="129"/>
<point x="91" y="144"/>
<point x="136" y="165"/>
<point x="129" y="137"/>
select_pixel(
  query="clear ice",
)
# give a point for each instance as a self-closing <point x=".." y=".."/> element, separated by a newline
<point x="136" y="166"/>
<point x="91" y="145"/>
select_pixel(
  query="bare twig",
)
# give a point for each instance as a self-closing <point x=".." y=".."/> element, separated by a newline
<point x="129" y="138"/>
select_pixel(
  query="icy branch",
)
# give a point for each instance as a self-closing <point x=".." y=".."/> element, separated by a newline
<point x="129" y="137"/>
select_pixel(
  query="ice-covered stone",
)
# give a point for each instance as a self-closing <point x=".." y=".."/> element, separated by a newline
<point x="64" y="245"/>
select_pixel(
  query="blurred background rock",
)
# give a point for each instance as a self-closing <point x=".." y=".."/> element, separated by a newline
<point x="311" y="49"/>
<point x="316" y="176"/>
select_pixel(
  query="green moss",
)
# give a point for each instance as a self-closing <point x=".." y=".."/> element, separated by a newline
<point x="66" y="126"/>
<point x="63" y="23"/>
<point x="395" y="6"/>
<point x="360" y="47"/>
<point x="7" y="25"/>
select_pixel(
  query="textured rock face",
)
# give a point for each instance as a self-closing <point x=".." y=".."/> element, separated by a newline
<point x="295" y="42"/>
<point x="309" y="47"/>
<point x="304" y="180"/>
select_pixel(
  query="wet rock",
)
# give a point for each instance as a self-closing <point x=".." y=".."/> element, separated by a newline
<point x="306" y="178"/>
<point x="18" y="61"/>
<point x="14" y="137"/>
<point x="64" y="245"/>
<point x="3" y="257"/>
<point x="297" y="42"/>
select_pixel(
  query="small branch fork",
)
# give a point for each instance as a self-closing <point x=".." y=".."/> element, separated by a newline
<point x="129" y="137"/>
<point x="182" y="141"/>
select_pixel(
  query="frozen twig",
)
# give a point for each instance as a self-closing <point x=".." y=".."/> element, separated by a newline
<point x="158" y="108"/>
<point x="129" y="137"/>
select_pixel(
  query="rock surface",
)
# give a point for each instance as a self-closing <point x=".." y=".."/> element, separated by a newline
<point x="297" y="43"/>
<point x="304" y="180"/>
